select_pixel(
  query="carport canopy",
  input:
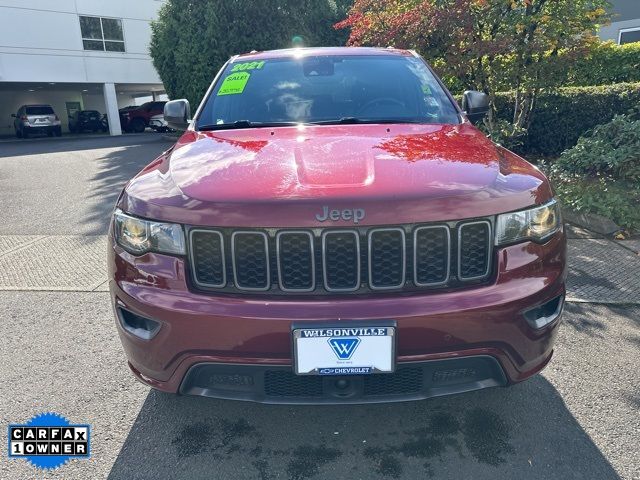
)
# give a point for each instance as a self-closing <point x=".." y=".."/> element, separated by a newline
<point x="65" y="98"/>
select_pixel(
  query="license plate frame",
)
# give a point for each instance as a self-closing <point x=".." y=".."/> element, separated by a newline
<point x="331" y="364"/>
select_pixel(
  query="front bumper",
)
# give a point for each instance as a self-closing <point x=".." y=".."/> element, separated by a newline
<point x="411" y="381"/>
<point x="240" y="341"/>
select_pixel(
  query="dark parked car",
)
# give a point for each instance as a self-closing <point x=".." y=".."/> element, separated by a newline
<point x="86" y="120"/>
<point x="136" y="119"/>
<point x="36" y="119"/>
<point x="333" y="228"/>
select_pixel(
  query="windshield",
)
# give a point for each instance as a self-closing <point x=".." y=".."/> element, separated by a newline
<point x="327" y="89"/>
<point x="40" y="110"/>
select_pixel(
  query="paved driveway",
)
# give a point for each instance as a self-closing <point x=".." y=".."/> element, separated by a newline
<point x="579" y="419"/>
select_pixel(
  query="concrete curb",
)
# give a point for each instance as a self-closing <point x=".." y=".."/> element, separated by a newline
<point x="591" y="221"/>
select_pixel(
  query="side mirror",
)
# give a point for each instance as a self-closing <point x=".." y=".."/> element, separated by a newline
<point x="475" y="105"/>
<point x="13" y="115"/>
<point x="177" y="113"/>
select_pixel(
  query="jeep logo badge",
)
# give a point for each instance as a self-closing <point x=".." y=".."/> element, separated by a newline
<point x="355" y="214"/>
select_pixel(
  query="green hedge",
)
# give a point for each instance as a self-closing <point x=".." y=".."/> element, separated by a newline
<point x="561" y="117"/>
<point x="601" y="174"/>
<point x="607" y="63"/>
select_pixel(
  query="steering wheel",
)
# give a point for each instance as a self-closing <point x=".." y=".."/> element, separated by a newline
<point x="381" y="100"/>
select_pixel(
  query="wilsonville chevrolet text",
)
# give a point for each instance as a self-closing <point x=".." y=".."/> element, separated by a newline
<point x="333" y="228"/>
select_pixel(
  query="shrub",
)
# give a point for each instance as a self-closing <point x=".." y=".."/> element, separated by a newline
<point x="612" y="150"/>
<point x="606" y="63"/>
<point x="601" y="174"/>
<point x="562" y="116"/>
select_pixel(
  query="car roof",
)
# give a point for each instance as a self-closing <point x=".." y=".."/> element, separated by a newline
<point x="324" y="51"/>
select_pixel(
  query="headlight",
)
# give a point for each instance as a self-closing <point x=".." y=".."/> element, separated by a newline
<point x="535" y="224"/>
<point x="139" y="236"/>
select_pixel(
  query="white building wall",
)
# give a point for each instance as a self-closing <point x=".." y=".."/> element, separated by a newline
<point x="611" y="32"/>
<point x="41" y="41"/>
<point x="41" y="50"/>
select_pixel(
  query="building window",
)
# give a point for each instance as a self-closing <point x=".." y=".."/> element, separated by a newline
<point x="103" y="34"/>
<point x="629" y="35"/>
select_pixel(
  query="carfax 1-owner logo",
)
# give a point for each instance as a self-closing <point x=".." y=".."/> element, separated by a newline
<point x="49" y="441"/>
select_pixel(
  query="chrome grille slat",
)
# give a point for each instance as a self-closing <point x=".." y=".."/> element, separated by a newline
<point x="291" y="261"/>
<point x="334" y="260"/>
<point x="473" y="257"/>
<point x="431" y="255"/>
<point x="387" y="258"/>
<point x="250" y="262"/>
<point x="208" y="262"/>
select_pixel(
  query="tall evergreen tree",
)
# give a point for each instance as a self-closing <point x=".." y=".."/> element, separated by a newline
<point x="192" y="39"/>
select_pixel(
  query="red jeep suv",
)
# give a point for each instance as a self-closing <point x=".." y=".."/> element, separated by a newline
<point x="332" y="228"/>
<point x="136" y="119"/>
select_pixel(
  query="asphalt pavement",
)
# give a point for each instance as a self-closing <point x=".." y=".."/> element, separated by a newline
<point x="579" y="419"/>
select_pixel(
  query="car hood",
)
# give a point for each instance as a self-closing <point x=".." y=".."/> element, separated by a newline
<point x="425" y="172"/>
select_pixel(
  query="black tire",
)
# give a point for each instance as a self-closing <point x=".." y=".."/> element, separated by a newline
<point x="138" y="125"/>
<point x="18" y="133"/>
<point x="25" y="133"/>
<point x="58" y="132"/>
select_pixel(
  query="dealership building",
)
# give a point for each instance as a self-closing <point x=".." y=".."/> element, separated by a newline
<point x="625" y="22"/>
<point x="76" y="55"/>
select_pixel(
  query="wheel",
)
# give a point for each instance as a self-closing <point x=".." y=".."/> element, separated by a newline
<point x="25" y="133"/>
<point x="137" y="125"/>
<point x="49" y="133"/>
<point x="58" y="132"/>
<point x="18" y="133"/>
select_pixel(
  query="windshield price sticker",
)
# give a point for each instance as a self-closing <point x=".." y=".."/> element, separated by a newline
<point x="234" y="84"/>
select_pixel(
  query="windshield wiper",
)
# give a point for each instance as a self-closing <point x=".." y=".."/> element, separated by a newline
<point x="355" y="120"/>
<point x="336" y="121"/>
<point x="244" y="124"/>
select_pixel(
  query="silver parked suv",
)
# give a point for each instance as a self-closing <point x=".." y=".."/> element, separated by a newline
<point x="36" y="118"/>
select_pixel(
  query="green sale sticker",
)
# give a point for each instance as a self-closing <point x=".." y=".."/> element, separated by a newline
<point x="234" y="83"/>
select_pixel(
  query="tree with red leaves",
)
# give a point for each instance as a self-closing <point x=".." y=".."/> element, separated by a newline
<point x="487" y="45"/>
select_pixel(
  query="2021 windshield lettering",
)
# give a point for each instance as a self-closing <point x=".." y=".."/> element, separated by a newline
<point x="239" y="67"/>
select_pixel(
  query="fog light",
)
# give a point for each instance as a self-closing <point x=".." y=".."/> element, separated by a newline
<point x="141" y="327"/>
<point x="544" y="314"/>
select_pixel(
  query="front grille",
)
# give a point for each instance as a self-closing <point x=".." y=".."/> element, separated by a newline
<point x="281" y="383"/>
<point x="250" y="257"/>
<point x="325" y="260"/>
<point x="387" y="258"/>
<point x="341" y="260"/>
<point x="431" y="266"/>
<point x="404" y="381"/>
<point x="474" y="248"/>
<point x="296" y="261"/>
<point x="207" y="255"/>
